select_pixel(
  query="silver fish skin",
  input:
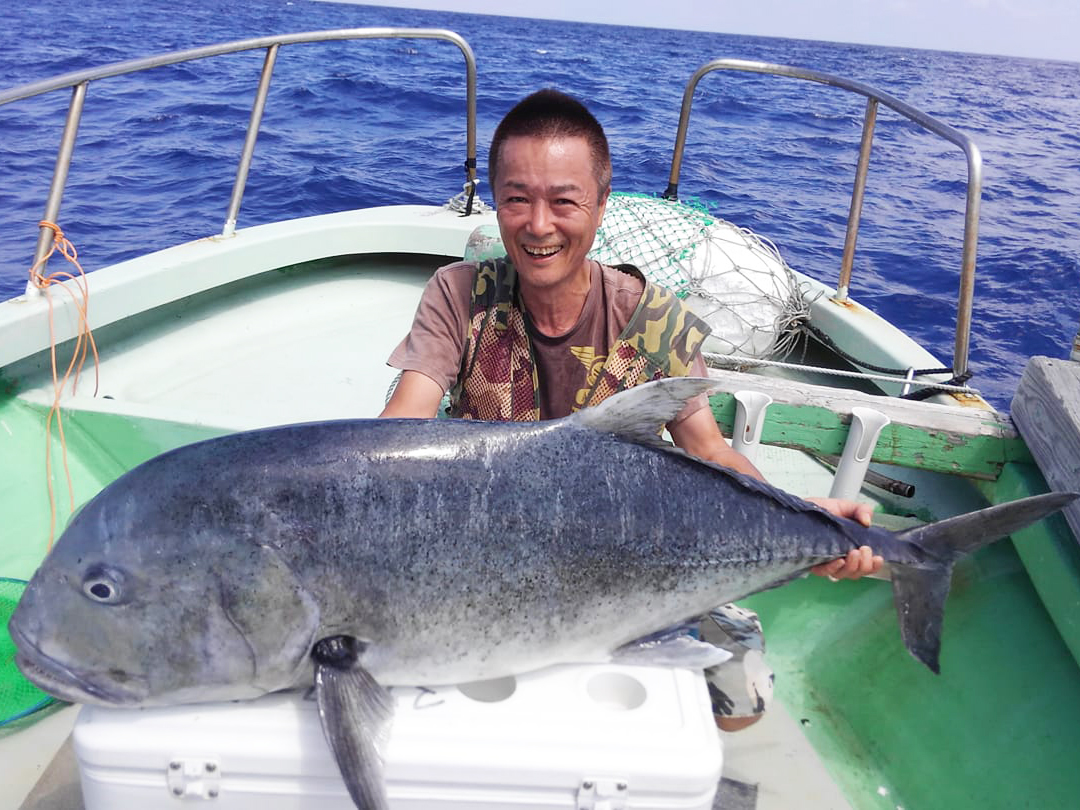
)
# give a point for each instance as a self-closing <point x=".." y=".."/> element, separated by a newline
<point x="451" y="550"/>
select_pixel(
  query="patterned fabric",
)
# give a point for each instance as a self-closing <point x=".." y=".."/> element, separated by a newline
<point x="498" y="378"/>
<point x="743" y="685"/>
<point x="498" y="381"/>
<point x="659" y="341"/>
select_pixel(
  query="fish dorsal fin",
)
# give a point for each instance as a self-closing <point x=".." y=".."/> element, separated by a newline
<point x="639" y="413"/>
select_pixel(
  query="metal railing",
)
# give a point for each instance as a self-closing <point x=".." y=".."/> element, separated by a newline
<point x="80" y="80"/>
<point x="873" y="99"/>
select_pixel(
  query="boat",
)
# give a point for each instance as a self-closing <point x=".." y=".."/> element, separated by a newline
<point x="257" y="326"/>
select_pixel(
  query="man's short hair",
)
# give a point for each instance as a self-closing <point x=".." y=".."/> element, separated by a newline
<point x="549" y="113"/>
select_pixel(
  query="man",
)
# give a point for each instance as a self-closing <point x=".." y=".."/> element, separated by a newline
<point x="547" y="331"/>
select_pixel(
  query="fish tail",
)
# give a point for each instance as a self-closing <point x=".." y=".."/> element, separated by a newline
<point x="919" y="590"/>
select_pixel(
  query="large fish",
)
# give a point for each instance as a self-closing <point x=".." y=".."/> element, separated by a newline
<point x="425" y="552"/>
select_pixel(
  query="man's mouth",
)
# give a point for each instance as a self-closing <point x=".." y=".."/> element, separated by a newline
<point x="541" y="252"/>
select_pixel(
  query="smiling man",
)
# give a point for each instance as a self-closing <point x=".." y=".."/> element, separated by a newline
<point x="546" y="331"/>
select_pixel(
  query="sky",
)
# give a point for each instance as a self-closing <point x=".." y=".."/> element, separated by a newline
<point x="1045" y="29"/>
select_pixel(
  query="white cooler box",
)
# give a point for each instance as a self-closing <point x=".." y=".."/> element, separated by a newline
<point x="575" y="737"/>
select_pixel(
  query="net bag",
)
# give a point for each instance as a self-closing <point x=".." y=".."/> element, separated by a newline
<point x="730" y="277"/>
<point x="18" y="697"/>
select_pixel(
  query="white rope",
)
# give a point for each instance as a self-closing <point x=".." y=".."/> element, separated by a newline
<point x="738" y="363"/>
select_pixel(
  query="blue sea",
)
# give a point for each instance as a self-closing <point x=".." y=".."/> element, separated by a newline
<point x="364" y="123"/>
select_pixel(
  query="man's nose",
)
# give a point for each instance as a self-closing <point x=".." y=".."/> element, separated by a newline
<point x="540" y="218"/>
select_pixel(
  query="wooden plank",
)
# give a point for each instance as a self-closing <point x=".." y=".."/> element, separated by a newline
<point x="970" y="441"/>
<point x="1046" y="407"/>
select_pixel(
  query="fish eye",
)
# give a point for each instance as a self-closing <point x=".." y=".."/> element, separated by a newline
<point x="103" y="585"/>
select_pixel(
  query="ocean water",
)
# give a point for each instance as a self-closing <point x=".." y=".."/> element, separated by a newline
<point x="364" y="123"/>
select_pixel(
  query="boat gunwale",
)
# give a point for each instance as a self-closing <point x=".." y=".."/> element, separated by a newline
<point x="136" y="285"/>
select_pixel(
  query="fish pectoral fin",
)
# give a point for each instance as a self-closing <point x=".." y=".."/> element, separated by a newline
<point x="674" y="647"/>
<point x="356" y="714"/>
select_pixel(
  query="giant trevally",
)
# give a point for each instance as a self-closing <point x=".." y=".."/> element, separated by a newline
<point x="366" y="553"/>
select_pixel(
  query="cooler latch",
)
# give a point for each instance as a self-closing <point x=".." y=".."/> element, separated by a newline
<point x="197" y="778"/>
<point x="603" y="794"/>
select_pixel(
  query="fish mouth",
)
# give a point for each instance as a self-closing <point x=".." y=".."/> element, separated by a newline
<point x="65" y="683"/>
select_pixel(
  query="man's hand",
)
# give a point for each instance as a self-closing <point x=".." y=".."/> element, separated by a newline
<point x="858" y="562"/>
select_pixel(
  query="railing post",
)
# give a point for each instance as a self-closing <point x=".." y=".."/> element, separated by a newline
<point x="857" y="193"/>
<point x="60" y="174"/>
<point x="672" y="190"/>
<point x="967" y="261"/>
<point x="249" y="142"/>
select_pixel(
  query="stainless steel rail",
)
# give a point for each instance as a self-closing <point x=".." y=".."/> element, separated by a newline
<point x="873" y="99"/>
<point x="80" y="80"/>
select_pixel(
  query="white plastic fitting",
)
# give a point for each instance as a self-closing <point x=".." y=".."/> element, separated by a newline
<point x="866" y="427"/>
<point x="749" y="419"/>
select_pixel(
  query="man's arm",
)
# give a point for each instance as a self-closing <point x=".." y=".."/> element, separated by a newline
<point x="699" y="435"/>
<point x="416" y="396"/>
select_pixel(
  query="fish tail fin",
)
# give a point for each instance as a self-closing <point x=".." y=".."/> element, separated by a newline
<point x="919" y="590"/>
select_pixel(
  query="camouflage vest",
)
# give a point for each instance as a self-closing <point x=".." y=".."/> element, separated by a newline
<point x="498" y="380"/>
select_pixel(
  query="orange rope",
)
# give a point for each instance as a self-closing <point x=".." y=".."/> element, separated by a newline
<point x="84" y="343"/>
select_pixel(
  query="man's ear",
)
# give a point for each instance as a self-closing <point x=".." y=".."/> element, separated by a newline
<point x="601" y="204"/>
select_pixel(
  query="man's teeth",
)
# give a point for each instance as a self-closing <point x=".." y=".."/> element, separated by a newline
<point x="543" y="251"/>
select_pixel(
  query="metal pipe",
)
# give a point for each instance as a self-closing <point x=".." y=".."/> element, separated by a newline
<point x="59" y="180"/>
<point x="249" y="142"/>
<point x="672" y="191"/>
<point x="81" y="78"/>
<point x="971" y="151"/>
<point x="967" y="266"/>
<point x="847" y="261"/>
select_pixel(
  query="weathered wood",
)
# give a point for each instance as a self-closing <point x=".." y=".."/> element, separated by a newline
<point x="1046" y="407"/>
<point x="969" y="441"/>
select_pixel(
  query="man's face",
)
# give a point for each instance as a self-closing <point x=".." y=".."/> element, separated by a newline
<point x="549" y="207"/>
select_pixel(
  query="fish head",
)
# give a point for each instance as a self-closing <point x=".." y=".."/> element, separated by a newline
<point x="150" y="601"/>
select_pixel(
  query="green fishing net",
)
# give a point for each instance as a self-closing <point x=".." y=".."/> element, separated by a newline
<point x="18" y="697"/>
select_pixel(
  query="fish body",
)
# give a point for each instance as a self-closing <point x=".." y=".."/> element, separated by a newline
<point x="455" y="550"/>
<point x="444" y="551"/>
